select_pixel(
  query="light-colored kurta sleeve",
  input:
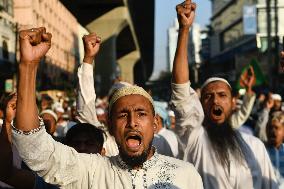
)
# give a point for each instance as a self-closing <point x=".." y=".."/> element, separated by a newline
<point x="239" y="117"/>
<point x="56" y="163"/>
<point x="189" y="114"/>
<point x="86" y="105"/>
<point x="86" y="97"/>
<point x="260" y="125"/>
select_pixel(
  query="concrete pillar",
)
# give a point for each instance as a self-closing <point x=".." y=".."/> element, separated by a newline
<point x="126" y="64"/>
<point x="107" y="27"/>
<point x="110" y="23"/>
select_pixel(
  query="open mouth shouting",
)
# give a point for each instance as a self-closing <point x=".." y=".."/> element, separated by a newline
<point x="216" y="113"/>
<point x="133" y="140"/>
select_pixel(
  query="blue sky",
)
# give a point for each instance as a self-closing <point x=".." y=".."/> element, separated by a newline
<point x="164" y="18"/>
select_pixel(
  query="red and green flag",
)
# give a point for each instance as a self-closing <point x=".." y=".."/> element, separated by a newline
<point x="259" y="76"/>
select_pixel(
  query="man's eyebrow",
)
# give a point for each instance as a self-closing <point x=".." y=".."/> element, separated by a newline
<point x="221" y="91"/>
<point x="139" y="109"/>
<point x="207" y="92"/>
<point x="125" y="110"/>
<point x="122" y="110"/>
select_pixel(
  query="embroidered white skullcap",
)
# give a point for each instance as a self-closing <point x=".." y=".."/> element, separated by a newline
<point x="213" y="79"/>
<point x="128" y="90"/>
<point x="276" y="97"/>
<point x="118" y="85"/>
<point x="50" y="112"/>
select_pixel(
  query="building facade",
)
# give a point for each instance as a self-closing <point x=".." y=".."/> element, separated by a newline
<point x="57" y="69"/>
<point x="194" y="48"/>
<point x="239" y="33"/>
<point x="172" y="44"/>
<point x="7" y="45"/>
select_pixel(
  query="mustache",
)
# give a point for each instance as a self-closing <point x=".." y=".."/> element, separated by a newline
<point x="133" y="132"/>
<point x="215" y="106"/>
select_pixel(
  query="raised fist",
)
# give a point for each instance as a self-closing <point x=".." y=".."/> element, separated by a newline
<point x="34" y="44"/>
<point x="269" y="102"/>
<point x="186" y="14"/>
<point x="10" y="107"/>
<point x="91" y="47"/>
<point x="248" y="78"/>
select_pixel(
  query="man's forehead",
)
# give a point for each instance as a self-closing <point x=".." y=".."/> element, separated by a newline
<point x="128" y="91"/>
<point x="216" y="86"/>
<point x="213" y="79"/>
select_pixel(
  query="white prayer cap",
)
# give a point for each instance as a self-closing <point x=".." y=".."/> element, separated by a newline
<point x="171" y="113"/>
<point x="213" y="79"/>
<point x="59" y="109"/>
<point x="117" y="86"/>
<point x="74" y="104"/>
<point x="50" y="112"/>
<point x="276" y="97"/>
<point x="98" y="102"/>
<point x="100" y="111"/>
<point x="55" y="105"/>
<point x="129" y="90"/>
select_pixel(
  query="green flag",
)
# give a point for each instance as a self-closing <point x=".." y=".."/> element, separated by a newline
<point x="260" y="78"/>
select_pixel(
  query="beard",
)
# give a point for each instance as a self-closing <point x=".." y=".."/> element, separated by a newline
<point x="137" y="160"/>
<point x="225" y="141"/>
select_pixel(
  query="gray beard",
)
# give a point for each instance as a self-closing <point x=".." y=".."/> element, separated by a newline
<point x="225" y="140"/>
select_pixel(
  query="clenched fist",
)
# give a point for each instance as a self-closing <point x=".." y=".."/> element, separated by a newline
<point x="91" y="47"/>
<point x="186" y="14"/>
<point x="10" y="107"/>
<point x="34" y="44"/>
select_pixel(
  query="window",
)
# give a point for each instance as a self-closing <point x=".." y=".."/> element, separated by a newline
<point x="7" y="6"/>
<point x="10" y="7"/>
<point x="2" y="3"/>
<point x="5" y="50"/>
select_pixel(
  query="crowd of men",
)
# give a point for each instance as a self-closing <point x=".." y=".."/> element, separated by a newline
<point x="128" y="140"/>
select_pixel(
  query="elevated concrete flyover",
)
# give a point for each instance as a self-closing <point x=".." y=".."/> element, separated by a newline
<point x="127" y="31"/>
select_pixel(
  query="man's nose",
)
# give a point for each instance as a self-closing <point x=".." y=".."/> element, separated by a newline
<point x="215" y="99"/>
<point x="132" y="122"/>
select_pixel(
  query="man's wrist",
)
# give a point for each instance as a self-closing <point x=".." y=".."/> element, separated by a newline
<point x="88" y="59"/>
<point x="7" y="122"/>
<point x="249" y="91"/>
<point x="184" y="29"/>
<point x="28" y="65"/>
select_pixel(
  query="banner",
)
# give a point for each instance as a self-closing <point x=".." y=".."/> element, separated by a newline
<point x="250" y="20"/>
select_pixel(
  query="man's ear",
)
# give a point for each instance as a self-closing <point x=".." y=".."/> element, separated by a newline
<point x="156" y="121"/>
<point x="109" y="123"/>
<point x="234" y="103"/>
<point x="103" y="152"/>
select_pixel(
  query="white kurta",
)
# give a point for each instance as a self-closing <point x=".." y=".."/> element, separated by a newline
<point x="166" y="142"/>
<point x="254" y="172"/>
<point x="86" y="105"/>
<point x="240" y="116"/>
<point x="62" y="165"/>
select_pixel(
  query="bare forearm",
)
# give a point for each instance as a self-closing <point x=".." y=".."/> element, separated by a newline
<point x="27" y="114"/>
<point x="180" y="66"/>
